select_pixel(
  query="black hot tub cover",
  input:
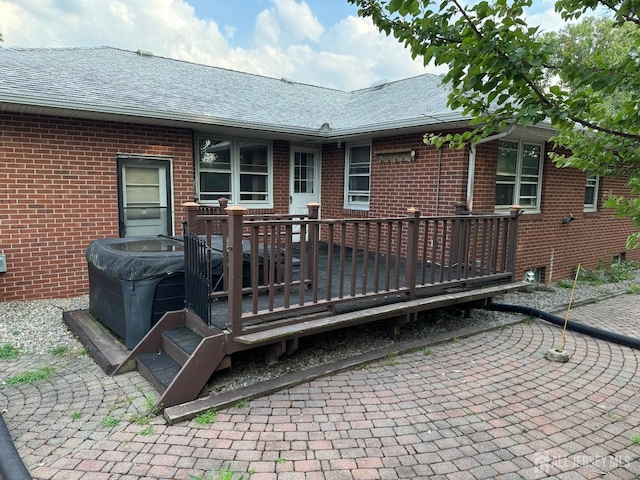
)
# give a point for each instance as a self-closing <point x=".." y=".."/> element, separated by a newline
<point x="137" y="258"/>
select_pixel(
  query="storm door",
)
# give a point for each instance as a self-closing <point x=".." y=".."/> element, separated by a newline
<point x="144" y="197"/>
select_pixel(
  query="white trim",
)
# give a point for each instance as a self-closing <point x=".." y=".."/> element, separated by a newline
<point x="317" y="151"/>
<point x="235" y="143"/>
<point x="592" y="207"/>
<point x="472" y="161"/>
<point x="364" y="206"/>
<point x="164" y="164"/>
<point x="517" y="186"/>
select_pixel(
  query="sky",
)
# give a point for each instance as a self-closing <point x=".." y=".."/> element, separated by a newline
<point x="319" y="42"/>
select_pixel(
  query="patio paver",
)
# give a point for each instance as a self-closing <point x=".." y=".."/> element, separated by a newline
<point x="486" y="406"/>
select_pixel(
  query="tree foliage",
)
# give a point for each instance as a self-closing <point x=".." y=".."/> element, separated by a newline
<point x="503" y="71"/>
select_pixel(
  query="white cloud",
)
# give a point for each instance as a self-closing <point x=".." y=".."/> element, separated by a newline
<point x="268" y="29"/>
<point x="287" y="22"/>
<point x="289" y="40"/>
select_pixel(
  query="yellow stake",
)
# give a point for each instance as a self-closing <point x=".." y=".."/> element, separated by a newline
<point x="566" y="318"/>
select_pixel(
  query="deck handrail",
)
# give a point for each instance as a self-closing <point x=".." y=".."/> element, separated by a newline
<point x="282" y="265"/>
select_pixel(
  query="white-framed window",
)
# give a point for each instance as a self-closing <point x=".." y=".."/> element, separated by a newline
<point x="357" y="177"/>
<point x="591" y="193"/>
<point x="240" y="170"/>
<point x="519" y="175"/>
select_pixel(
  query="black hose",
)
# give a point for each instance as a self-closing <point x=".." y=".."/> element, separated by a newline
<point x="11" y="466"/>
<point x="571" y="325"/>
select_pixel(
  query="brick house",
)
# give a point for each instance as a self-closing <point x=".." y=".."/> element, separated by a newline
<point x="101" y="142"/>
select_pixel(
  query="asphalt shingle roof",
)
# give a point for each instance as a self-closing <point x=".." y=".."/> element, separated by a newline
<point x="118" y="81"/>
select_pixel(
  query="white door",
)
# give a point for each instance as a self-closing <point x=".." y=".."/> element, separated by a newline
<point x="144" y="199"/>
<point x="304" y="186"/>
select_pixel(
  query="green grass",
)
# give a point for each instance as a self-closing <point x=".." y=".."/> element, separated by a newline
<point x="207" y="417"/>
<point x="614" y="417"/>
<point x="389" y="361"/>
<point x="76" y="416"/>
<point x="8" y="351"/>
<point x="61" y="350"/>
<point x="224" y="473"/>
<point x="634" y="289"/>
<point x="636" y="439"/>
<point x="564" y="284"/>
<point x="109" y="422"/>
<point x="528" y="321"/>
<point x="618" y="272"/>
<point x="427" y="351"/>
<point x="146" y="431"/>
<point x="150" y="409"/>
<point x="31" y="376"/>
<point x="139" y="419"/>
<point x="280" y="461"/>
<point x="240" y="404"/>
<point x="83" y="352"/>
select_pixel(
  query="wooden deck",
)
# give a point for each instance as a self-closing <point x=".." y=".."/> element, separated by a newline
<point x="267" y="280"/>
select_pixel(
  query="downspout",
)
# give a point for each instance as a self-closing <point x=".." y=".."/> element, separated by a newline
<point x="472" y="162"/>
<point x="438" y="182"/>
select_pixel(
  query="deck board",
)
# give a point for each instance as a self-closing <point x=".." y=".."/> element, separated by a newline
<point x="373" y="313"/>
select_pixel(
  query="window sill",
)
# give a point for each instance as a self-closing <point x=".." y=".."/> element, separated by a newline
<point x="527" y="212"/>
<point x="354" y="212"/>
<point x="356" y="208"/>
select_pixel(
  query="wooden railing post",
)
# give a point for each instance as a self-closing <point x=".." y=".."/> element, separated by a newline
<point x="314" y="238"/>
<point x="412" y="250"/>
<point x="516" y="211"/>
<point x="236" y="216"/>
<point x="223" y="202"/>
<point x="191" y="216"/>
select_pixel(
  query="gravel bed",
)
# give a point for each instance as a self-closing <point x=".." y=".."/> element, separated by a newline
<point x="36" y="327"/>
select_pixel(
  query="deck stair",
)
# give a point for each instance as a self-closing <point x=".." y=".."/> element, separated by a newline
<point x="178" y="356"/>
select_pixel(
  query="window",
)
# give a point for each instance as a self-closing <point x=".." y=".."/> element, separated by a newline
<point x="240" y="170"/>
<point x="518" y="175"/>
<point x="358" y="173"/>
<point x="591" y="193"/>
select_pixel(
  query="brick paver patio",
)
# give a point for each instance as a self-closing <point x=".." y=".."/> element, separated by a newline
<point x="487" y="406"/>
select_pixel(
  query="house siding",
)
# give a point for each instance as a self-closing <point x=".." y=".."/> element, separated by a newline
<point x="543" y="240"/>
<point x="396" y="187"/>
<point x="59" y="192"/>
<point x="592" y="239"/>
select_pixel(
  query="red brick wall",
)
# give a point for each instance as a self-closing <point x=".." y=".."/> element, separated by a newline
<point x="281" y="160"/>
<point x="395" y="187"/>
<point x="590" y="239"/>
<point x="543" y="240"/>
<point x="58" y="184"/>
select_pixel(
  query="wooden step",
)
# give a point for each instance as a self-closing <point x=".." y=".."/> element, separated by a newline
<point x="158" y="368"/>
<point x="371" y="314"/>
<point x="180" y="343"/>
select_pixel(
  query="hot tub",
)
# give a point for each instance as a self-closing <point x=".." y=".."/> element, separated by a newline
<point x="134" y="281"/>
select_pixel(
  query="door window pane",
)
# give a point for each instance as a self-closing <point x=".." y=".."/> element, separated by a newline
<point x="303" y="172"/>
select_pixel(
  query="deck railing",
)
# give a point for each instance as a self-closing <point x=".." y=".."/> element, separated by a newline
<point x="243" y="269"/>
